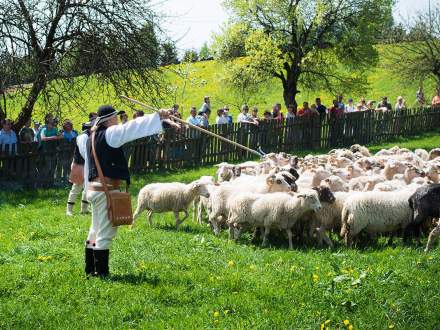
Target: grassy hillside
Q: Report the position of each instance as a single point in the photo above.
(191, 279)
(203, 78)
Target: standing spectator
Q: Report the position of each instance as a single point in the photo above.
(420, 97)
(320, 107)
(335, 111)
(400, 105)
(193, 118)
(340, 102)
(254, 115)
(359, 107)
(384, 104)
(68, 132)
(50, 132)
(123, 117)
(8, 138)
(436, 99)
(267, 116)
(363, 104)
(350, 106)
(370, 106)
(27, 134)
(290, 111)
(36, 130)
(276, 112)
(204, 118)
(313, 111)
(227, 114)
(221, 117)
(244, 116)
(304, 110)
(206, 104)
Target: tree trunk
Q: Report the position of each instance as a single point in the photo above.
(26, 112)
(3, 108)
(290, 89)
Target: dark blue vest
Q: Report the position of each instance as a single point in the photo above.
(112, 160)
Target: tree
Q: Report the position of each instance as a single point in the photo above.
(190, 55)
(230, 42)
(49, 50)
(204, 53)
(318, 44)
(169, 54)
(419, 57)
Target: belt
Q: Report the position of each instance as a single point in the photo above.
(98, 188)
(112, 184)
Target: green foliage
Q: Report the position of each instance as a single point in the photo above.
(230, 42)
(169, 54)
(191, 279)
(205, 53)
(314, 40)
(190, 55)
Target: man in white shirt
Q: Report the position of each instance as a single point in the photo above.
(109, 139)
(193, 119)
(350, 107)
(244, 116)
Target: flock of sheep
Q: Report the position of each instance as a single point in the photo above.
(347, 191)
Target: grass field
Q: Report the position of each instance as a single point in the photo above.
(191, 279)
(203, 78)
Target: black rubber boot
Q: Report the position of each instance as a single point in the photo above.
(90, 262)
(101, 262)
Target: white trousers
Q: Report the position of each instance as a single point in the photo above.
(75, 191)
(101, 231)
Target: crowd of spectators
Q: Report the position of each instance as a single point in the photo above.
(34, 132)
(338, 107)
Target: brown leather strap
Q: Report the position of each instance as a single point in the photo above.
(101, 177)
(100, 188)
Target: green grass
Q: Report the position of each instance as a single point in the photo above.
(191, 279)
(204, 79)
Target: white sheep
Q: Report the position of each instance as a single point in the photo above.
(271, 211)
(169, 197)
(335, 183)
(376, 212)
(422, 153)
(220, 198)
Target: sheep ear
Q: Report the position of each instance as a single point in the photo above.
(270, 180)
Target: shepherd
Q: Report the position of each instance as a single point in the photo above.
(108, 138)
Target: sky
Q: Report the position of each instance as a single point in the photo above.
(192, 22)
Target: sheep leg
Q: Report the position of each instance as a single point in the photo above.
(432, 235)
(149, 217)
(231, 232)
(186, 216)
(265, 235)
(176, 216)
(289, 235)
(322, 235)
(200, 213)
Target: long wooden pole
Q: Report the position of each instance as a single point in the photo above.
(146, 106)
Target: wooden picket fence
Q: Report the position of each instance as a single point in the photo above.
(49, 164)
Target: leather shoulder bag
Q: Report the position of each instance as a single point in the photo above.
(118, 202)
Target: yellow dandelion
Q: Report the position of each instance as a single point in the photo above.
(216, 314)
(321, 327)
(226, 311)
(350, 327)
(391, 326)
(327, 322)
(231, 263)
(346, 323)
(315, 278)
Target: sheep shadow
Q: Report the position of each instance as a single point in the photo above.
(139, 278)
(184, 228)
(277, 240)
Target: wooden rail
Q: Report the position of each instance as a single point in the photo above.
(49, 164)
